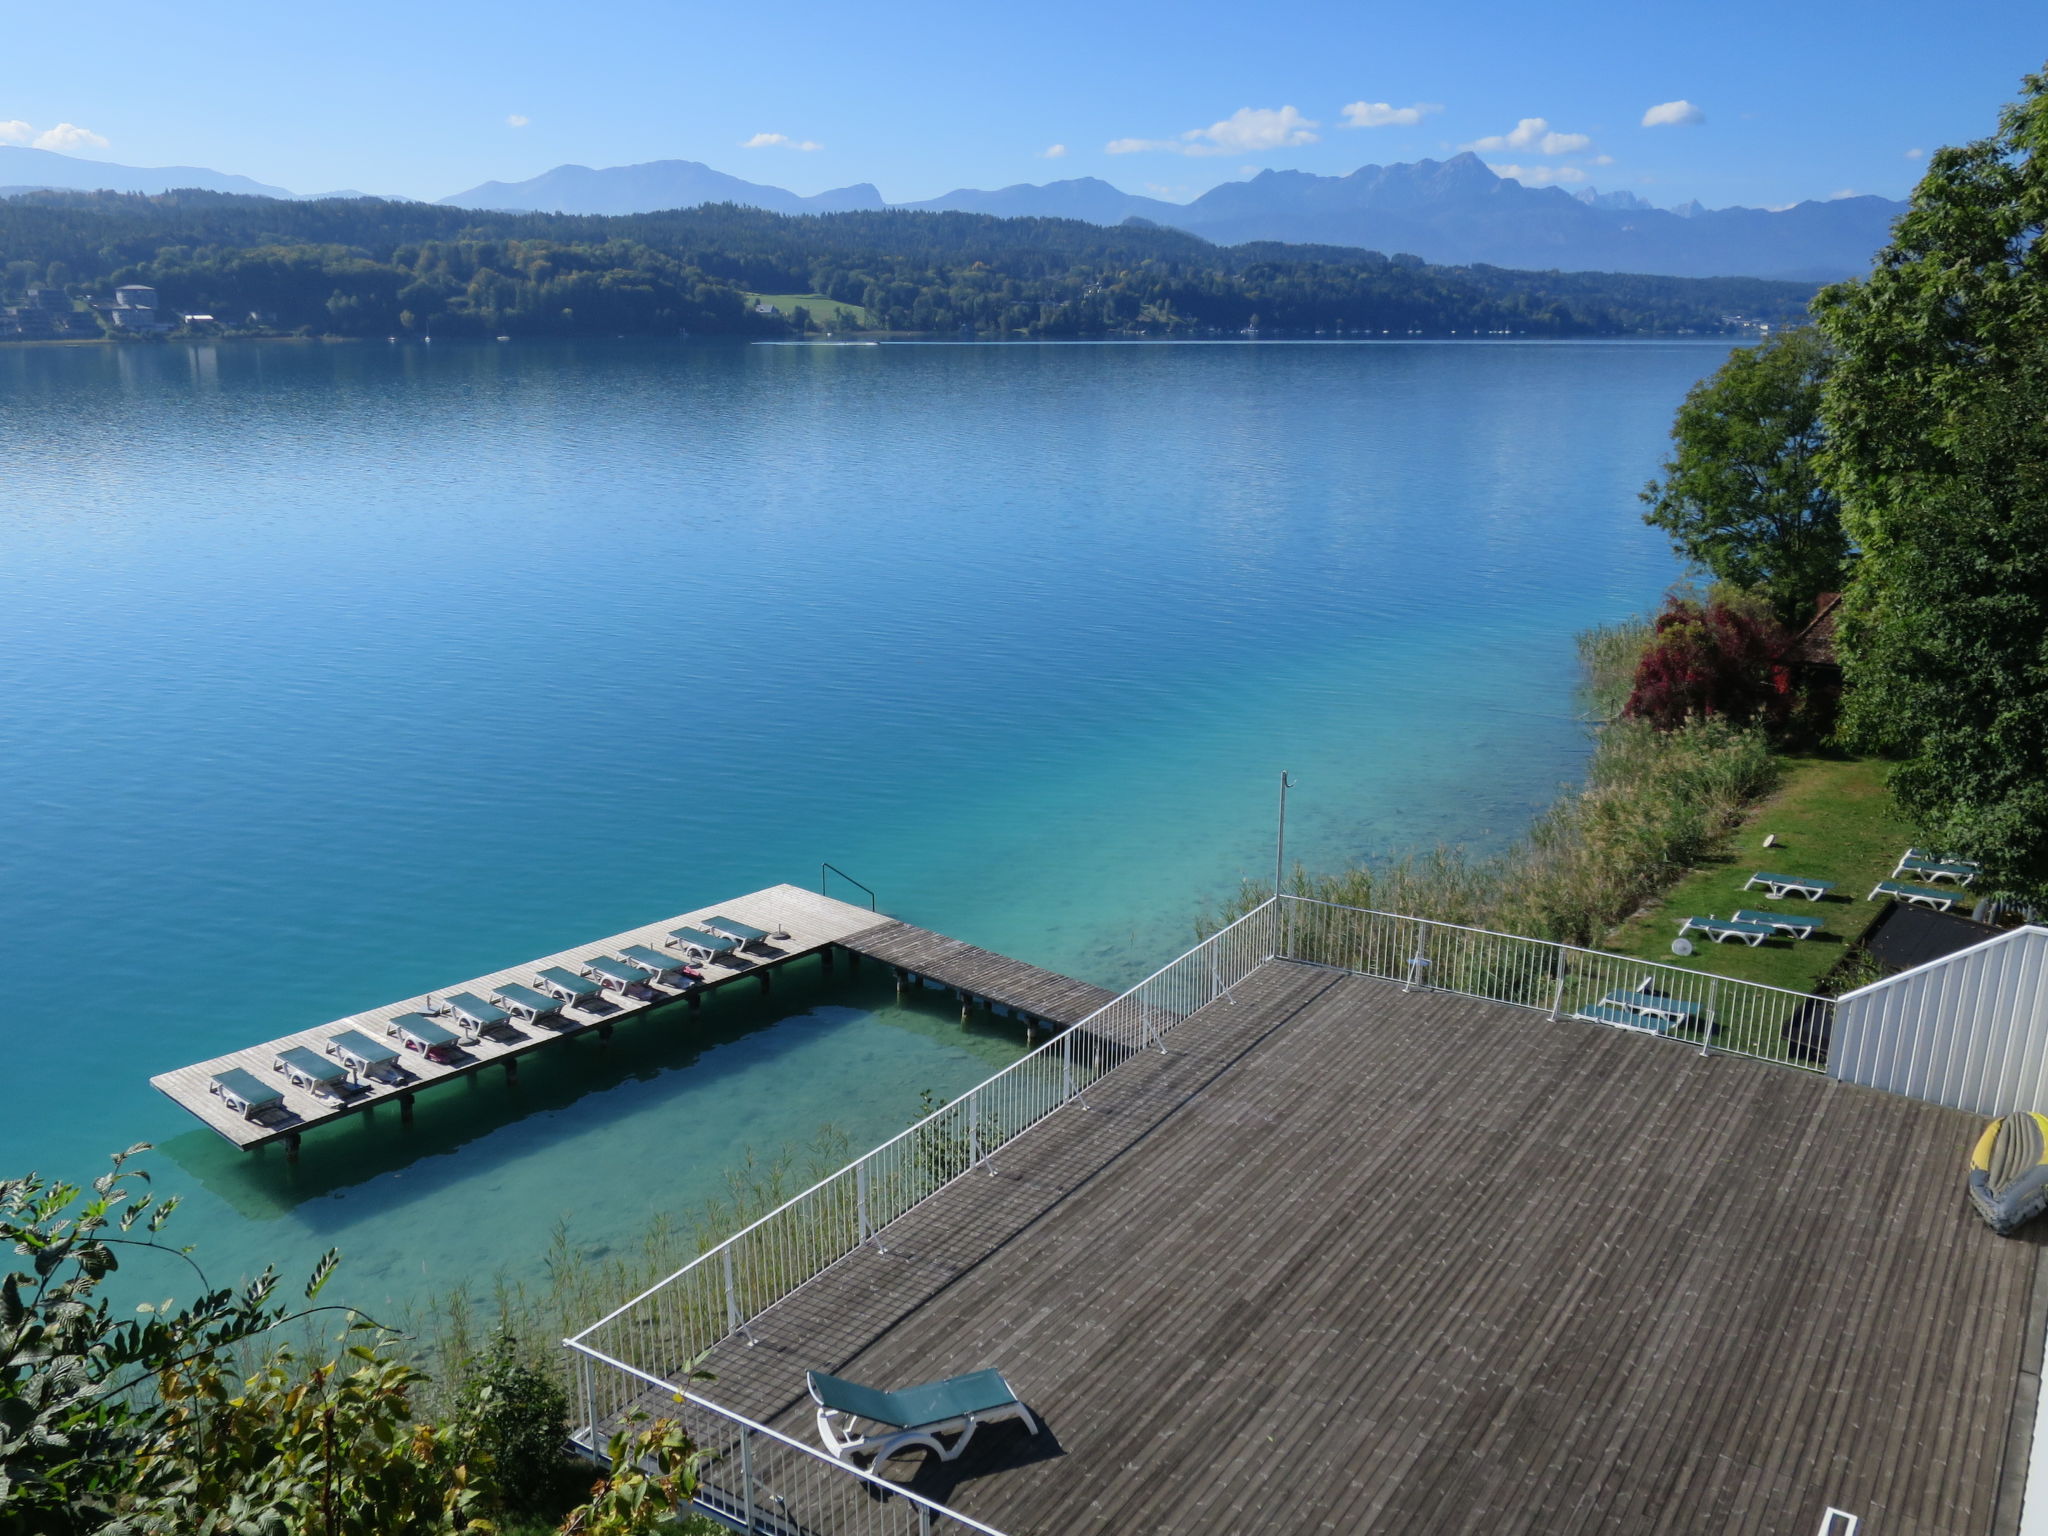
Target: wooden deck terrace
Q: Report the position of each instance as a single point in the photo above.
(979, 977)
(1353, 1259)
(803, 922)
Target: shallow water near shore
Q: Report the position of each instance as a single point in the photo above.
(334, 674)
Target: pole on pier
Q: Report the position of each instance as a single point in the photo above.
(1280, 839)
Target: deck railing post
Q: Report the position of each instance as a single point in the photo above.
(860, 1199)
(588, 1374)
(747, 1477)
(732, 1296)
(1557, 993)
(1707, 1020)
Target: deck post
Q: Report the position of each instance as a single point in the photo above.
(291, 1147)
(747, 1476)
(860, 1199)
(764, 977)
(589, 1403)
(902, 976)
(405, 1109)
(1707, 1021)
(966, 1005)
(511, 1069)
(696, 997)
(1557, 993)
(825, 956)
(853, 959)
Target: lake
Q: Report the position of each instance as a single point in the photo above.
(338, 673)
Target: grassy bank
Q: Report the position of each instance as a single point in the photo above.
(825, 313)
(1833, 819)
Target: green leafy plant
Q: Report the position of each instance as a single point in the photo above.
(513, 1416)
(653, 1479)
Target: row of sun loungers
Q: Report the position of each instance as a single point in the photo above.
(1645, 1008)
(352, 1059)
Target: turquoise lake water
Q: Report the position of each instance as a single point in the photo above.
(335, 674)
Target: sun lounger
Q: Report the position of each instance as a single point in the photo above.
(417, 1032)
(1922, 866)
(364, 1056)
(248, 1095)
(1798, 885)
(698, 945)
(307, 1069)
(655, 963)
(477, 1013)
(567, 985)
(1722, 929)
(613, 973)
(1627, 1018)
(917, 1418)
(747, 935)
(525, 1003)
(1916, 895)
(1785, 922)
(1675, 1009)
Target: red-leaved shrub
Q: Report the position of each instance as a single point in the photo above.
(1718, 660)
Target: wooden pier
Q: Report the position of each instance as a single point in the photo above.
(978, 977)
(798, 923)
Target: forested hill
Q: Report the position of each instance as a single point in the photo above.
(366, 267)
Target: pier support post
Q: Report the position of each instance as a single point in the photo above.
(902, 978)
(767, 980)
(291, 1147)
(825, 956)
(405, 1109)
(853, 959)
(696, 997)
(966, 1006)
(511, 1069)
(604, 1029)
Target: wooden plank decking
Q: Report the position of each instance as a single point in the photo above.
(981, 974)
(1349, 1259)
(810, 921)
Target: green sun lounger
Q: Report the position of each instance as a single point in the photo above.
(745, 933)
(916, 1418)
(526, 1003)
(417, 1032)
(1914, 895)
(652, 961)
(1722, 929)
(1674, 1009)
(566, 984)
(1923, 867)
(1626, 1018)
(1785, 922)
(608, 972)
(304, 1068)
(247, 1094)
(359, 1053)
(477, 1013)
(1797, 885)
(696, 944)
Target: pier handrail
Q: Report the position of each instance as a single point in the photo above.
(874, 901)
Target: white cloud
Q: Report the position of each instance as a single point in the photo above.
(1247, 131)
(517, 120)
(16, 132)
(1538, 175)
(1836, 197)
(69, 136)
(1053, 152)
(1911, 154)
(1673, 114)
(1384, 114)
(1533, 133)
(1601, 160)
(779, 141)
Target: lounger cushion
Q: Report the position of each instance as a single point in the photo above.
(423, 1029)
(1627, 1018)
(312, 1064)
(697, 938)
(933, 1403)
(248, 1087)
(476, 1010)
(361, 1047)
(614, 970)
(528, 998)
(742, 931)
(640, 954)
(568, 981)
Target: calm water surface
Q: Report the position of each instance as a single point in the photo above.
(334, 674)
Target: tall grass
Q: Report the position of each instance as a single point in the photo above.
(1652, 802)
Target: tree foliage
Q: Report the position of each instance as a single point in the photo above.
(365, 267)
(1717, 660)
(1939, 451)
(514, 1418)
(1742, 494)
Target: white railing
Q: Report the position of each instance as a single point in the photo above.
(669, 1326)
(759, 1480)
(1720, 1013)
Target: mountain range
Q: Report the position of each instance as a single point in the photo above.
(1454, 212)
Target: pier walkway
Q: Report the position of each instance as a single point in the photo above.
(979, 976)
(795, 923)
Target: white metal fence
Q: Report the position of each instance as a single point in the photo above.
(1743, 1018)
(666, 1328)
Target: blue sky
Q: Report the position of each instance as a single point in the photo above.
(1763, 104)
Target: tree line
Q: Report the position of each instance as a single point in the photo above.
(370, 267)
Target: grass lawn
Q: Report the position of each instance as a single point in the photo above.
(1834, 820)
(824, 311)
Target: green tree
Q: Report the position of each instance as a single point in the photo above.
(1742, 494)
(513, 1417)
(1938, 448)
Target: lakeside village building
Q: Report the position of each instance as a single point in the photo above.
(48, 314)
(1344, 1221)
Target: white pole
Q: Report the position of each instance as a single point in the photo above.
(1280, 842)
